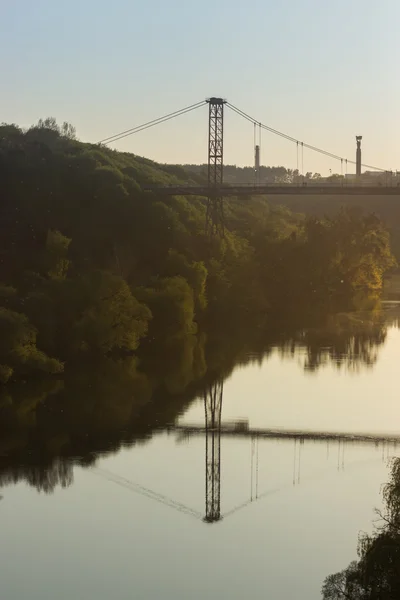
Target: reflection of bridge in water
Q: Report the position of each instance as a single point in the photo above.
(241, 429)
(214, 429)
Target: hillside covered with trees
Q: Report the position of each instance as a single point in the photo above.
(91, 265)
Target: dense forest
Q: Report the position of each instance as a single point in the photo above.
(91, 266)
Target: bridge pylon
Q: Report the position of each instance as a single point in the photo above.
(213, 409)
(215, 201)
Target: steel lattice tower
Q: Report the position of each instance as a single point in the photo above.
(215, 205)
(213, 408)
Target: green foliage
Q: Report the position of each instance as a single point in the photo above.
(332, 262)
(8, 296)
(10, 132)
(194, 272)
(18, 351)
(171, 302)
(50, 124)
(56, 252)
(5, 373)
(113, 318)
(243, 175)
(7, 291)
(88, 256)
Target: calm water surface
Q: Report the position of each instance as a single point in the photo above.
(131, 523)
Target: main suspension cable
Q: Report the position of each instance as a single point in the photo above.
(138, 128)
(294, 140)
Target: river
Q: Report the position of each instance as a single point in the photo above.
(110, 500)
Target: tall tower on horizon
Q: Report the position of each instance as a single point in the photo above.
(358, 155)
(257, 164)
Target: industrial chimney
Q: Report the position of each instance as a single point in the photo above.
(257, 164)
(358, 155)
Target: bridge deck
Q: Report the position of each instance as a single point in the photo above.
(263, 190)
(230, 430)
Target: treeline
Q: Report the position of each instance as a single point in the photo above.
(281, 175)
(242, 175)
(91, 265)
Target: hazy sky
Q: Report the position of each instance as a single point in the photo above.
(320, 71)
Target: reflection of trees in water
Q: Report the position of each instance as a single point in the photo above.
(393, 317)
(101, 406)
(43, 477)
(354, 342)
(346, 340)
(376, 575)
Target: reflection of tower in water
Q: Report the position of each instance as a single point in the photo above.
(212, 409)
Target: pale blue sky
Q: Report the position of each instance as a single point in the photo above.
(319, 71)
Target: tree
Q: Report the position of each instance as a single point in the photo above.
(343, 585)
(18, 351)
(49, 131)
(68, 131)
(194, 272)
(10, 132)
(171, 302)
(56, 262)
(112, 317)
(376, 576)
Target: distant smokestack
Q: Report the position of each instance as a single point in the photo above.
(358, 155)
(257, 163)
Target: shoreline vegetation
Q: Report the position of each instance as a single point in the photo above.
(93, 268)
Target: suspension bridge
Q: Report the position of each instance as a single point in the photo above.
(215, 189)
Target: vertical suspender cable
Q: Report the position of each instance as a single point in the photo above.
(292, 139)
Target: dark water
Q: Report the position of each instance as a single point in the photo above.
(104, 498)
